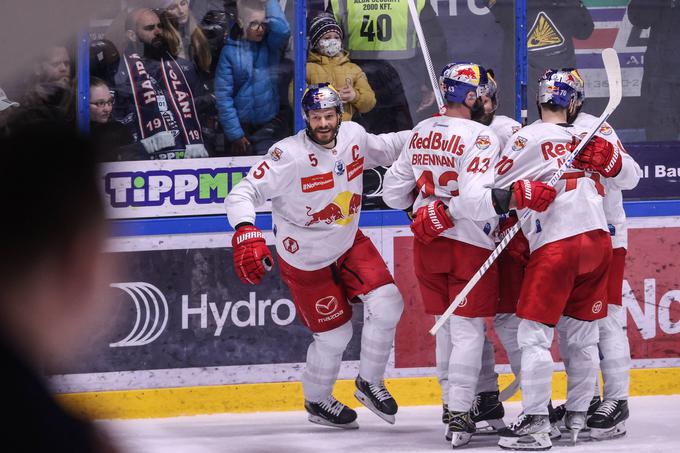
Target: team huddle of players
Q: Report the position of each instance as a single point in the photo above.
(465, 176)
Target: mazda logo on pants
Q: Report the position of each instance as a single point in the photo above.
(152, 313)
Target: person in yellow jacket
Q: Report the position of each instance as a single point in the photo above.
(328, 62)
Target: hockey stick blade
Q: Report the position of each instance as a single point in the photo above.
(611, 64)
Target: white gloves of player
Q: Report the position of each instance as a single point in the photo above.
(158, 141)
(195, 151)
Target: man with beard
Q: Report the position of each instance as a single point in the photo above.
(449, 161)
(155, 93)
(314, 182)
(51, 90)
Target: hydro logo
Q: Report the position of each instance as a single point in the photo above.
(152, 313)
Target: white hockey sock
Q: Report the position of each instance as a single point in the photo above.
(580, 342)
(466, 361)
(442, 352)
(615, 351)
(382, 311)
(324, 357)
(534, 340)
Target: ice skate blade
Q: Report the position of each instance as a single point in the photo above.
(611, 433)
(322, 421)
(530, 442)
(574, 436)
(489, 427)
(459, 439)
(363, 399)
(448, 434)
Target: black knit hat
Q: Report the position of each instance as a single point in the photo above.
(320, 25)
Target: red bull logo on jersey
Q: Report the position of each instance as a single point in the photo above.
(341, 210)
(551, 150)
(435, 141)
(483, 142)
(519, 143)
(606, 129)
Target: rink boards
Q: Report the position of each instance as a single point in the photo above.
(188, 338)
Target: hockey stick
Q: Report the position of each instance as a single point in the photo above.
(426, 54)
(611, 65)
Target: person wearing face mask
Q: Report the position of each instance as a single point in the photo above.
(327, 61)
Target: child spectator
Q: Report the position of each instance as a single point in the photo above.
(328, 62)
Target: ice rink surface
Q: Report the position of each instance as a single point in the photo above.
(654, 426)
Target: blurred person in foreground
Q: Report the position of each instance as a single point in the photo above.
(157, 96)
(53, 276)
(112, 140)
(51, 85)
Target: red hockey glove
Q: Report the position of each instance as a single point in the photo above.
(250, 249)
(431, 221)
(518, 247)
(534, 195)
(601, 156)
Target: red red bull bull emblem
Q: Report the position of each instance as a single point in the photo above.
(483, 142)
(468, 73)
(519, 143)
(341, 210)
(606, 129)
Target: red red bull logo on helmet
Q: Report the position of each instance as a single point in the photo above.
(341, 210)
(471, 73)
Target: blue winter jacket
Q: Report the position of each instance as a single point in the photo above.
(246, 77)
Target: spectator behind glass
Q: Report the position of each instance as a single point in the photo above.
(183, 34)
(112, 140)
(50, 89)
(104, 60)
(661, 67)
(328, 62)
(163, 116)
(54, 276)
(247, 77)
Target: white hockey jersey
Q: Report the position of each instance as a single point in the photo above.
(536, 152)
(504, 127)
(315, 192)
(627, 179)
(452, 160)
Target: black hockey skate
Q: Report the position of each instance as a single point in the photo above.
(446, 418)
(331, 412)
(609, 420)
(528, 433)
(487, 412)
(554, 417)
(461, 428)
(377, 398)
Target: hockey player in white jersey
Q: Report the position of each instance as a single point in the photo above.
(566, 276)
(449, 160)
(608, 419)
(314, 181)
